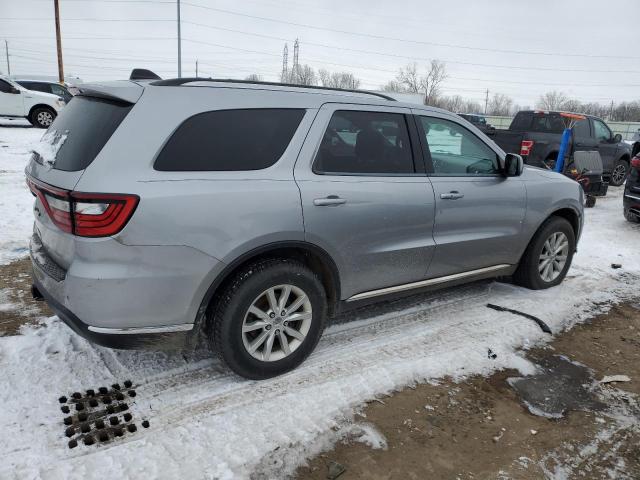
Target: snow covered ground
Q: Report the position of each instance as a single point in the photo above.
(16, 201)
(207, 423)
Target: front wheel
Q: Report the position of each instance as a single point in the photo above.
(619, 173)
(548, 257)
(269, 318)
(42, 117)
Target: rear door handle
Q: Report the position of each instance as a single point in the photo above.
(451, 195)
(330, 201)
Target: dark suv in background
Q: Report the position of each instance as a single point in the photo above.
(537, 134)
(631, 200)
(478, 121)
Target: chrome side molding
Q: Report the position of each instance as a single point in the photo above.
(426, 283)
(185, 327)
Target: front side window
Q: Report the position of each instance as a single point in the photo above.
(58, 90)
(601, 130)
(374, 143)
(5, 87)
(230, 140)
(455, 151)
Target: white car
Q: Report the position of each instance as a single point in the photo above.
(39, 108)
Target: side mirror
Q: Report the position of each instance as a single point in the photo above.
(14, 90)
(513, 165)
(617, 138)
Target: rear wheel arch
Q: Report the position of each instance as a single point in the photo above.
(312, 256)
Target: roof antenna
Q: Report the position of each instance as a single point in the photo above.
(143, 74)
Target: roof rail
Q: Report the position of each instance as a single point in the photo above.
(181, 81)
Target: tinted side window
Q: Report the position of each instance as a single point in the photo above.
(521, 122)
(581, 129)
(455, 151)
(4, 87)
(365, 143)
(230, 140)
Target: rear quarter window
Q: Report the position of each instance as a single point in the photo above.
(87, 123)
(230, 140)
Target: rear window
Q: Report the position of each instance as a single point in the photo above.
(521, 122)
(547, 123)
(230, 140)
(87, 123)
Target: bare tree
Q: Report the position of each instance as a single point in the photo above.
(338, 80)
(553, 100)
(408, 80)
(432, 81)
(302, 75)
(254, 77)
(500, 105)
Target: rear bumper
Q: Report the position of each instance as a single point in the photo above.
(128, 340)
(125, 296)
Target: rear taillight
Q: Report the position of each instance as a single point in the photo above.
(85, 214)
(525, 147)
(635, 161)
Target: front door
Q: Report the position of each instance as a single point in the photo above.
(365, 197)
(479, 212)
(605, 145)
(10, 100)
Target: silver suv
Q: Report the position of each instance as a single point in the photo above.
(253, 211)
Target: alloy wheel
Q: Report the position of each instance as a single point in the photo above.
(276, 323)
(553, 257)
(44, 118)
(618, 174)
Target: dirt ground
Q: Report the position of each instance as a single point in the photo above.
(480, 429)
(17, 307)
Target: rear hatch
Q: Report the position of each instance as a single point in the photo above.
(59, 160)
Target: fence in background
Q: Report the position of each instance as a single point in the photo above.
(626, 129)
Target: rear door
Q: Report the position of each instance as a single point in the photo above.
(365, 196)
(479, 212)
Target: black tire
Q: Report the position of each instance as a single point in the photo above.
(631, 217)
(42, 117)
(527, 274)
(590, 202)
(230, 307)
(618, 179)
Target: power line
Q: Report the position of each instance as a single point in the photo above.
(409, 57)
(405, 40)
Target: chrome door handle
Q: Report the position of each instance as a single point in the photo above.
(451, 195)
(330, 201)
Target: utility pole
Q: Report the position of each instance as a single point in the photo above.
(6, 48)
(285, 64)
(58, 42)
(196, 67)
(296, 67)
(611, 111)
(179, 44)
(486, 101)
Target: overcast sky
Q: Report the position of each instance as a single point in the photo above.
(588, 49)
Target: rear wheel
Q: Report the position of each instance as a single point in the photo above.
(548, 257)
(619, 173)
(269, 318)
(42, 117)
